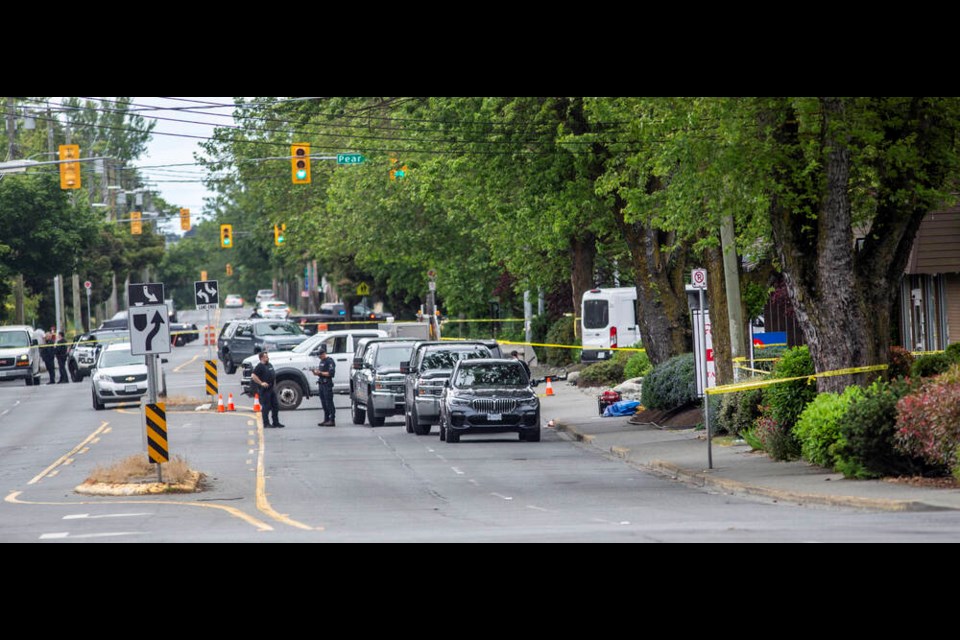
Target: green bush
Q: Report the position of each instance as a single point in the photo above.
(777, 441)
(602, 374)
(868, 448)
(751, 439)
(671, 385)
(769, 357)
(953, 352)
(638, 365)
(561, 332)
(738, 411)
(787, 400)
(818, 428)
(930, 365)
(901, 362)
(726, 412)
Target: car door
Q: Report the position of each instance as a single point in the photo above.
(343, 357)
(241, 345)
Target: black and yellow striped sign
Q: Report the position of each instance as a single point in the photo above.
(157, 449)
(210, 377)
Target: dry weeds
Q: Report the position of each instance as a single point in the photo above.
(178, 400)
(136, 468)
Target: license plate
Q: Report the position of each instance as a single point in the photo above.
(130, 388)
(601, 355)
(494, 417)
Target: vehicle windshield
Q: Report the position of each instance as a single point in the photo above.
(447, 358)
(596, 314)
(393, 356)
(119, 358)
(277, 329)
(110, 337)
(499, 374)
(9, 339)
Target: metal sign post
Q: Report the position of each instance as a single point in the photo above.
(698, 278)
(149, 336)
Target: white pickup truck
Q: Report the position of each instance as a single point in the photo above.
(295, 380)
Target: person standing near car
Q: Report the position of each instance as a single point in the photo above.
(48, 356)
(264, 377)
(61, 352)
(526, 367)
(325, 373)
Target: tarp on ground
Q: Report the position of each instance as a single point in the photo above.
(622, 408)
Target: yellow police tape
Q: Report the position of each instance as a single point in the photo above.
(756, 384)
(553, 346)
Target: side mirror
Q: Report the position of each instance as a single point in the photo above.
(534, 382)
(405, 367)
(358, 363)
(164, 361)
(33, 342)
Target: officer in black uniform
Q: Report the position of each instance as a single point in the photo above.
(61, 353)
(264, 377)
(326, 372)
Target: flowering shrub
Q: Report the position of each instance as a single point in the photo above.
(901, 361)
(928, 423)
(777, 441)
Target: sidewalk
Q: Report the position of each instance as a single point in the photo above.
(682, 455)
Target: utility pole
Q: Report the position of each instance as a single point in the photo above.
(731, 281)
(12, 155)
(77, 311)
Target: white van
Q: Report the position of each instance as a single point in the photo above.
(608, 318)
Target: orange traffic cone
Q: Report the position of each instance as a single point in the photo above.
(256, 402)
(549, 387)
(230, 406)
(220, 403)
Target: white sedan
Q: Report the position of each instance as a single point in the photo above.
(273, 309)
(119, 376)
(233, 301)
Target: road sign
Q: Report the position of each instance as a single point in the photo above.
(87, 285)
(210, 377)
(350, 158)
(149, 330)
(432, 274)
(698, 278)
(432, 285)
(158, 451)
(207, 294)
(363, 289)
(144, 293)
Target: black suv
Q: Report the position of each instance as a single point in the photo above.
(489, 396)
(425, 374)
(248, 337)
(376, 383)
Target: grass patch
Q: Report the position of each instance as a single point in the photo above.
(137, 468)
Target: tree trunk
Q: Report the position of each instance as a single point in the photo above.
(663, 315)
(583, 254)
(844, 300)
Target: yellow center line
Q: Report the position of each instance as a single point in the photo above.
(65, 457)
(13, 498)
(190, 361)
(263, 504)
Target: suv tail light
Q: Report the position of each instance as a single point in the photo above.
(613, 337)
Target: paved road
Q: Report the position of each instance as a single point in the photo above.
(359, 484)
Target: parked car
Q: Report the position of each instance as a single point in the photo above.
(253, 336)
(489, 396)
(223, 339)
(19, 354)
(233, 301)
(182, 333)
(82, 354)
(118, 376)
(273, 309)
(425, 374)
(263, 294)
(376, 383)
(293, 368)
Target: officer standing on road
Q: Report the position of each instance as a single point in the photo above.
(264, 376)
(48, 356)
(526, 367)
(61, 350)
(326, 372)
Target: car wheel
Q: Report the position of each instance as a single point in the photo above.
(530, 436)
(452, 436)
(407, 424)
(289, 395)
(443, 429)
(373, 419)
(28, 381)
(96, 403)
(415, 422)
(356, 413)
(181, 340)
(228, 366)
(74, 373)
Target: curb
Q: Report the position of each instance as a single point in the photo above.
(673, 471)
(191, 485)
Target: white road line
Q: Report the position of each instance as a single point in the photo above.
(77, 516)
(535, 507)
(501, 496)
(111, 534)
(457, 471)
(472, 481)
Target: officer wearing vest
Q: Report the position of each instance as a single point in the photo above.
(325, 373)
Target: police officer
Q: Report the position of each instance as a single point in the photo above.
(264, 377)
(61, 352)
(48, 355)
(325, 373)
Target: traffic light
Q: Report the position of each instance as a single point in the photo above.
(300, 162)
(185, 219)
(136, 227)
(279, 233)
(229, 269)
(69, 171)
(226, 236)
